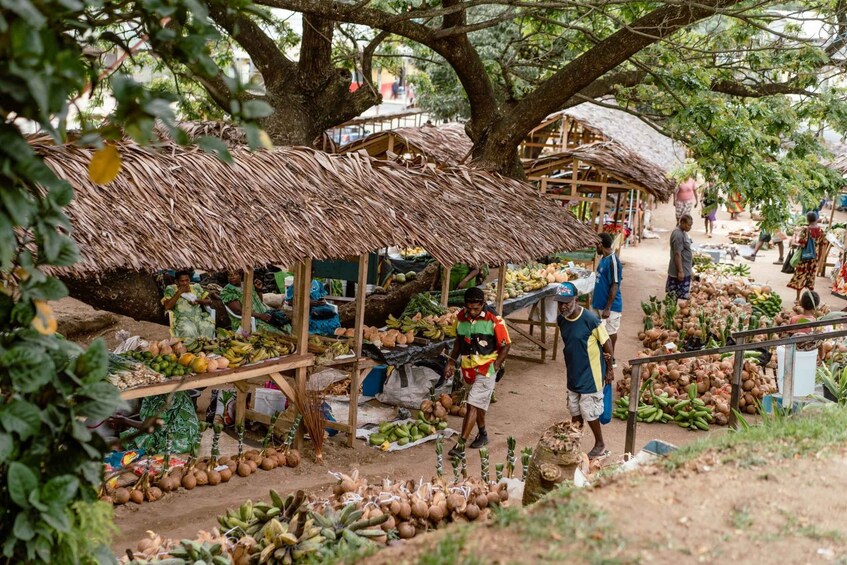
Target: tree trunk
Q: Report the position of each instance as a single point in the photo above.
(493, 151)
(379, 306)
(124, 292)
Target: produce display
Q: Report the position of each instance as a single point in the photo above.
(424, 305)
(401, 278)
(328, 349)
(431, 327)
(405, 432)
(743, 236)
(412, 253)
(522, 281)
(691, 412)
(213, 470)
(126, 373)
(239, 350)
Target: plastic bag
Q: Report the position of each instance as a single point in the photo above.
(606, 416)
(408, 386)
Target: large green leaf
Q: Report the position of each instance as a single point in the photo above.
(29, 367)
(6, 446)
(21, 480)
(20, 417)
(23, 527)
(93, 365)
(60, 490)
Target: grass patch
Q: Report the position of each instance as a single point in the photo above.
(740, 518)
(448, 551)
(563, 526)
(777, 437)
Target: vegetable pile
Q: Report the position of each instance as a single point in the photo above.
(125, 373)
(239, 350)
(153, 484)
(691, 412)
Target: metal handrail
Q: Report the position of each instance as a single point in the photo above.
(739, 349)
(793, 327)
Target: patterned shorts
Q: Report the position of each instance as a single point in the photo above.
(682, 289)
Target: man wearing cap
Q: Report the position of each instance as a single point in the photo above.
(483, 342)
(607, 303)
(588, 361)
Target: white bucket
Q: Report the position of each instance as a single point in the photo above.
(805, 366)
(268, 400)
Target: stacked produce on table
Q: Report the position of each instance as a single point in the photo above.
(306, 529)
(522, 281)
(159, 476)
(127, 373)
(239, 350)
(690, 412)
(430, 327)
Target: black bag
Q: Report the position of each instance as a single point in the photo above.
(500, 373)
(787, 268)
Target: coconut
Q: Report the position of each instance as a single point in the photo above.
(136, 496)
(254, 465)
(455, 501)
(154, 493)
(420, 509)
(120, 496)
(252, 454)
(481, 501)
(226, 475)
(268, 464)
(446, 400)
(201, 466)
(189, 482)
(406, 530)
(202, 478)
(405, 511)
(472, 511)
(440, 412)
(435, 514)
(244, 469)
(493, 499)
(394, 507)
(292, 458)
(389, 524)
(164, 483)
(214, 477)
(347, 485)
(503, 491)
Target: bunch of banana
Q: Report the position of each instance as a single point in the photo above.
(348, 525)
(290, 542)
(691, 413)
(195, 552)
(251, 518)
(766, 304)
(200, 344)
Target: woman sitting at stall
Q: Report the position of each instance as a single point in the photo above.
(267, 319)
(323, 317)
(464, 276)
(186, 301)
(179, 420)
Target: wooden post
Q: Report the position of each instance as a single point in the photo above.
(543, 307)
(632, 419)
(501, 289)
(445, 283)
(736, 384)
(788, 378)
(356, 374)
(302, 288)
(247, 301)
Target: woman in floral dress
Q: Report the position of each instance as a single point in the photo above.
(807, 269)
(186, 300)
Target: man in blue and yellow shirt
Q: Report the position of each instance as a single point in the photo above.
(588, 356)
(483, 342)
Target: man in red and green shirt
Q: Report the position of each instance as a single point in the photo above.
(483, 342)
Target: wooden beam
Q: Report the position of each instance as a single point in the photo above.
(222, 377)
(445, 283)
(501, 288)
(302, 285)
(524, 333)
(247, 301)
(361, 294)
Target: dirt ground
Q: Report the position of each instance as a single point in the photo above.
(530, 398)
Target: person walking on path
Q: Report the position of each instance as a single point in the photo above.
(764, 237)
(685, 197)
(482, 341)
(709, 210)
(808, 242)
(588, 362)
(607, 303)
(681, 261)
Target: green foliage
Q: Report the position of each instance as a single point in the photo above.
(50, 463)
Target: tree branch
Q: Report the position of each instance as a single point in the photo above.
(263, 51)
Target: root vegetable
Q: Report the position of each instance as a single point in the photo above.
(472, 511)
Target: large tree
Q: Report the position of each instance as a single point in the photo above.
(736, 79)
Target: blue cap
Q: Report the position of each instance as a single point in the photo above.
(565, 292)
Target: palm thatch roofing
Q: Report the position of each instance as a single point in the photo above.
(628, 130)
(623, 164)
(445, 145)
(177, 206)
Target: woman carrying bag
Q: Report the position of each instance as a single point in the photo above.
(806, 247)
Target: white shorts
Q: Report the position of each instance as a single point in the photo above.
(612, 323)
(589, 406)
(481, 390)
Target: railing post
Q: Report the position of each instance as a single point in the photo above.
(736, 384)
(632, 419)
(788, 378)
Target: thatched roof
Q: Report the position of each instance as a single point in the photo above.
(617, 160)
(182, 207)
(444, 145)
(629, 131)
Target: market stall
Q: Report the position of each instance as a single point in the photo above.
(603, 183)
(444, 145)
(289, 206)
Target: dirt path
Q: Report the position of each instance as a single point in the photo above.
(530, 398)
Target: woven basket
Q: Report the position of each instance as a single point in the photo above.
(554, 460)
